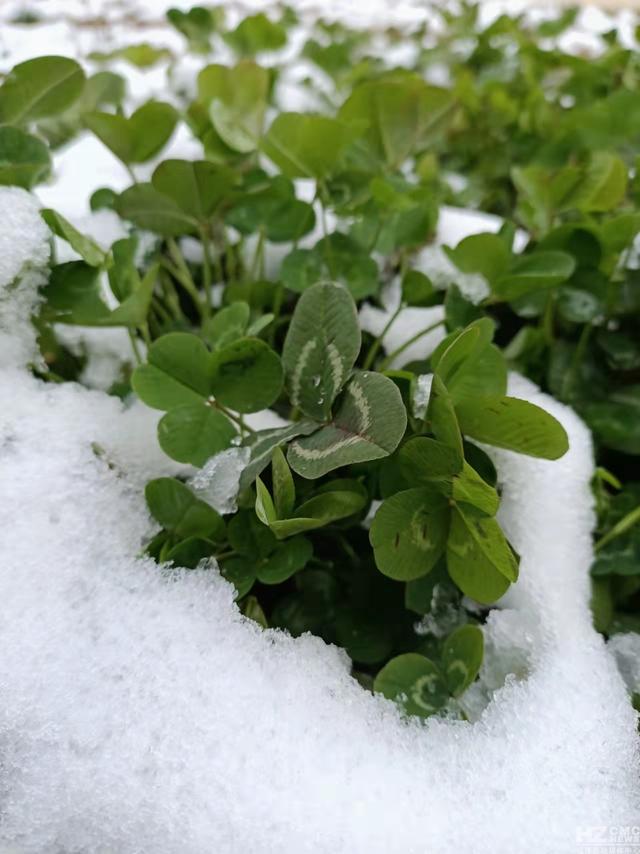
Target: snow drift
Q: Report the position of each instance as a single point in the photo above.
(142, 713)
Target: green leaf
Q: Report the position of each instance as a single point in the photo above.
(246, 375)
(470, 488)
(150, 209)
(138, 138)
(288, 558)
(469, 365)
(508, 422)
(24, 159)
(284, 490)
(270, 206)
(442, 417)
(134, 309)
(534, 272)
(241, 572)
(85, 246)
(616, 420)
(321, 346)
(177, 372)
(369, 424)
(124, 278)
(197, 187)
(104, 198)
(252, 609)
(320, 511)
(237, 100)
(462, 655)
(263, 443)
(602, 186)
(38, 88)
(414, 682)
(227, 325)
(189, 553)
(479, 558)
(418, 290)
(250, 537)
(422, 460)
(196, 24)
(305, 145)
(409, 533)
(265, 508)
(337, 258)
(255, 34)
(193, 433)
(402, 114)
(74, 293)
(142, 55)
(176, 508)
(487, 254)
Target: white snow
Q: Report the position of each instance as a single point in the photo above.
(626, 649)
(107, 351)
(218, 481)
(24, 256)
(142, 713)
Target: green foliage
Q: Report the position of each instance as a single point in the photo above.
(39, 88)
(423, 687)
(236, 100)
(24, 159)
(138, 138)
(225, 324)
(256, 34)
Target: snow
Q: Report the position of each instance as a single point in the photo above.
(626, 649)
(218, 481)
(142, 713)
(24, 256)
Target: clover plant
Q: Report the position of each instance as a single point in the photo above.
(375, 499)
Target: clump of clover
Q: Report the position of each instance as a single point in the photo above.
(368, 519)
(296, 549)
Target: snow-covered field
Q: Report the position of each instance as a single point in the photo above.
(142, 713)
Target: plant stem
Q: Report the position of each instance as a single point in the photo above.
(621, 527)
(373, 350)
(223, 555)
(237, 419)
(276, 308)
(257, 265)
(391, 356)
(131, 173)
(325, 233)
(144, 329)
(134, 347)
(206, 269)
(546, 320)
(179, 270)
(578, 355)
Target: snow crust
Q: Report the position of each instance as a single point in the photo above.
(142, 713)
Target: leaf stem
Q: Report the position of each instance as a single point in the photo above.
(206, 269)
(578, 355)
(373, 350)
(179, 270)
(134, 346)
(632, 518)
(257, 265)
(391, 356)
(237, 419)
